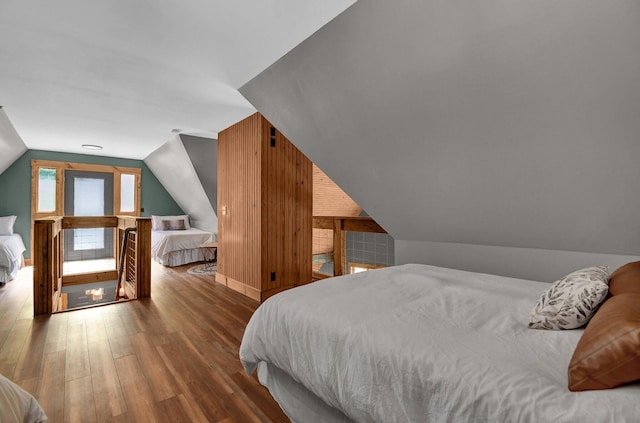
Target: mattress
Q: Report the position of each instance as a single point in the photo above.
(11, 259)
(418, 343)
(175, 248)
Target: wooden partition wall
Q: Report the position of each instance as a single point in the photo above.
(48, 256)
(264, 210)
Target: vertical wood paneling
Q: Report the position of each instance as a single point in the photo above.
(267, 215)
(287, 187)
(306, 192)
(264, 209)
(239, 202)
(41, 299)
(143, 257)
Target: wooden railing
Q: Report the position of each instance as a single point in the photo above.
(48, 258)
(340, 224)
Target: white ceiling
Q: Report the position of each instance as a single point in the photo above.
(123, 74)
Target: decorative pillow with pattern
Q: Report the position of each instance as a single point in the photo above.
(173, 225)
(571, 301)
(178, 225)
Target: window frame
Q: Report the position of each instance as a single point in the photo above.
(60, 167)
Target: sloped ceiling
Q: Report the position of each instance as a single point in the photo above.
(203, 153)
(172, 166)
(11, 145)
(502, 123)
(123, 74)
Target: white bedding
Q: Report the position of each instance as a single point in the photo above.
(418, 343)
(11, 249)
(168, 247)
(17, 405)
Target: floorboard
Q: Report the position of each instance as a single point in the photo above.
(171, 357)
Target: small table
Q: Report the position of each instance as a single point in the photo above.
(210, 253)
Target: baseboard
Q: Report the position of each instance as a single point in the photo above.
(238, 286)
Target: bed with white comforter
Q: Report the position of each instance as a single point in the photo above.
(11, 256)
(417, 343)
(175, 248)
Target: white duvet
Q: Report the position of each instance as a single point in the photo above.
(11, 249)
(17, 405)
(418, 343)
(165, 242)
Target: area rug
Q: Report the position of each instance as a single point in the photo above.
(203, 269)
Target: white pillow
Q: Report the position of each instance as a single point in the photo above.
(571, 301)
(156, 221)
(6, 225)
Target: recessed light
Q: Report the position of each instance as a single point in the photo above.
(91, 147)
(176, 130)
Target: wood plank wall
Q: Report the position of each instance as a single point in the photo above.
(329, 200)
(264, 210)
(239, 203)
(287, 210)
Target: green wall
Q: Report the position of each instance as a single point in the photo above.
(15, 187)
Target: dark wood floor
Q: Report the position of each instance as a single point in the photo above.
(172, 357)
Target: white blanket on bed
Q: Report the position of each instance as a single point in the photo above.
(419, 343)
(11, 249)
(165, 242)
(17, 405)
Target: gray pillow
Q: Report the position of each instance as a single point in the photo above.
(571, 301)
(173, 225)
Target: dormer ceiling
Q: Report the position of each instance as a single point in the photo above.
(11, 145)
(124, 74)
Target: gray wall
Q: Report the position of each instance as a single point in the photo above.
(524, 263)
(203, 153)
(510, 123)
(173, 167)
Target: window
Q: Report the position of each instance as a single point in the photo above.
(48, 187)
(127, 193)
(88, 197)
(88, 200)
(48, 195)
(46, 190)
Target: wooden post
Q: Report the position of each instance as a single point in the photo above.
(47, 264)
(338, 242)
(42, 284)
(143, 257)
